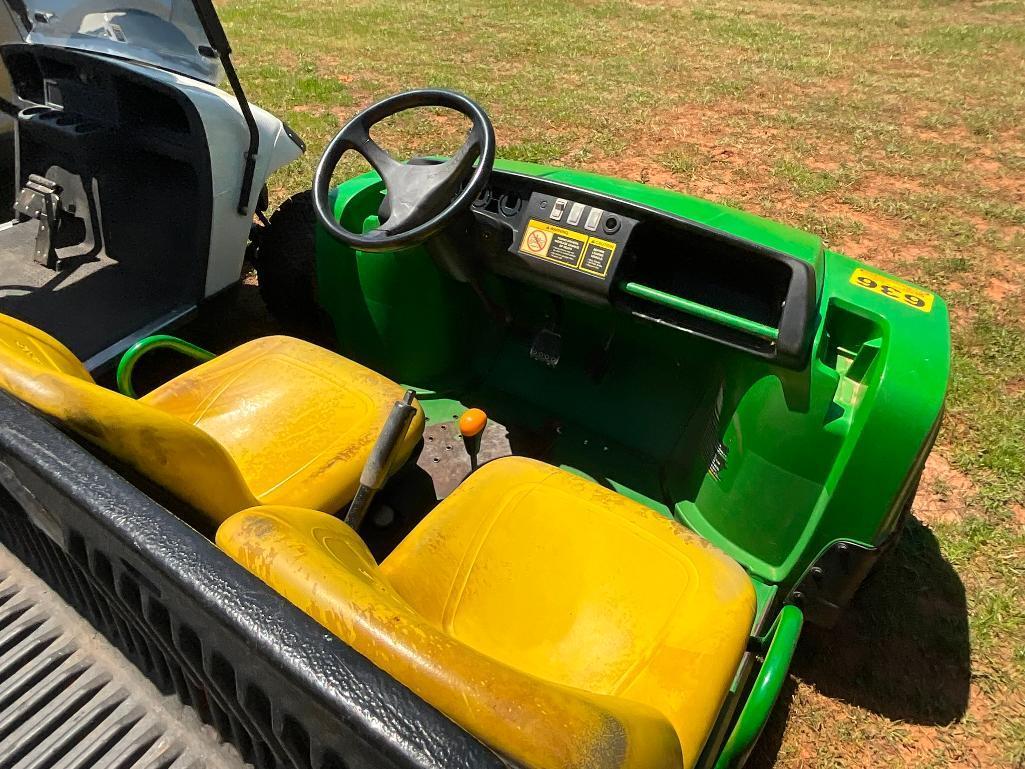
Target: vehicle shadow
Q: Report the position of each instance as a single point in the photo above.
(901, 649)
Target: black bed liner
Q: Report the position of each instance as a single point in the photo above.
(69, 699)
(274, 683)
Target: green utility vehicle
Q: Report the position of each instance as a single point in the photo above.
(727, 371)
(585, 457)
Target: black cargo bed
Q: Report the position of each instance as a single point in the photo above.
(69, 699)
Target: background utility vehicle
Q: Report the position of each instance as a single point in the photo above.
(138, 176)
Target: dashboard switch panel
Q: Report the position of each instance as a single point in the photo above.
(558, 245)
(651, 264)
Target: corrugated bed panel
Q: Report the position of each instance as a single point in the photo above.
(70, 700)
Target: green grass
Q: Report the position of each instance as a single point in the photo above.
(807, 182)
(895, 132)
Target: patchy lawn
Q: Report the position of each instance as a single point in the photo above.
(896, 133)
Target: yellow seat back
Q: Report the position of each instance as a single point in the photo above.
(19, 340)
(563, 624)
(558, 576)
(183, 459)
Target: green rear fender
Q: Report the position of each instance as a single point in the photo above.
(777, 648)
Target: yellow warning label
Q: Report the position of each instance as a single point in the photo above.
(894, 289)
(567, 248)
(597, 256)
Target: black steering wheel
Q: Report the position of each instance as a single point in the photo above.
(421, 197)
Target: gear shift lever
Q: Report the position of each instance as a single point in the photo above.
(471, 426)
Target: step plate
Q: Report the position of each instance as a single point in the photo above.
(70, 700)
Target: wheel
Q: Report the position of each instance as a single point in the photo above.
(286, 265)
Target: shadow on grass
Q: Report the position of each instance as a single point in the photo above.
(901, 649)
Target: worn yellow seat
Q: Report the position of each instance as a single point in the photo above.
(274, 421)
(563, 624)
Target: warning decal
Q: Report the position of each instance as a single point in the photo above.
(598, 256)
(567, 248)
(537, 242)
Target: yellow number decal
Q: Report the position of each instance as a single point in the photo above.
(894, 289)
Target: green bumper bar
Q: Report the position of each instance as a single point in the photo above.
(782, 641)
(143, 346)
(699, 310)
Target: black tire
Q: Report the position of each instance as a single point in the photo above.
(286, 266)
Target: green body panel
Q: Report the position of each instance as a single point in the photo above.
(811, 456)
(778, 647)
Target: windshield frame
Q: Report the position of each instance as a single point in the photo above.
(167, 34)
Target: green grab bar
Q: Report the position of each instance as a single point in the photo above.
(693, 308)
(784, 634)
(143, 346)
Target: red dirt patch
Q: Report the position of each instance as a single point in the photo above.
(944, 494)
(640, 169)
(998, 290)
(737, 164)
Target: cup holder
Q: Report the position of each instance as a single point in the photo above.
(510, 204)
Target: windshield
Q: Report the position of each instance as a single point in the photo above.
(164, 33)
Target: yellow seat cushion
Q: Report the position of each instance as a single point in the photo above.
(563, 624)
(276, 420)
(298, 420)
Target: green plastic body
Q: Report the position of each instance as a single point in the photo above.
(772, 464)
(813, 456)
(779, 646)
(160, 341)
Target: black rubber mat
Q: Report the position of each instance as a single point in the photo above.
(92, 303)
(70, 700)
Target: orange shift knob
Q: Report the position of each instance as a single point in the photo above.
(472, 423)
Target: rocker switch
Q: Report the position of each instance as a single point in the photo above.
(575, 212)
(592, 219)
(558, 209)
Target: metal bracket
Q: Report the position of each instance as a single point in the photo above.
(40, 199)
(218, 39)
(830, 583)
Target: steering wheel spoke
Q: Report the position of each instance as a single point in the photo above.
(465, 156)
(380, 160)
(422, 198)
